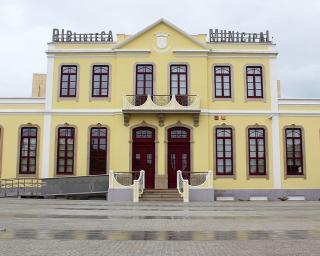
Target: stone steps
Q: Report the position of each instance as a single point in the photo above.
(165, 195)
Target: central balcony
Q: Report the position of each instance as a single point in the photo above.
(161, 104)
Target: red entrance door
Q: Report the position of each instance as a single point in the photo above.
(143, 154)
(178, 154)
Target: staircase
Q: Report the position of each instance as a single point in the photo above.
(161, 195)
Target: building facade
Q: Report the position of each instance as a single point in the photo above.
(163, 100)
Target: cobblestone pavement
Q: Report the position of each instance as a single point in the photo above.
(68, 227)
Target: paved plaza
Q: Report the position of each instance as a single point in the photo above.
(96, 227)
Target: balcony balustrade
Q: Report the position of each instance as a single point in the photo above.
(161, 104)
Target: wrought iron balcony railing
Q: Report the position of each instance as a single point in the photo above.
(161, 103)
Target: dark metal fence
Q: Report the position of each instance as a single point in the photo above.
(62, 186)
(95, 184)
(20, 187)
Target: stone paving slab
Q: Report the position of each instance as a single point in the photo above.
(67, 227)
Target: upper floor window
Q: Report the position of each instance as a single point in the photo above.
(144, 79)
(294, 153)
(100, 81)
(68, 81)
(179, 83)
(254, 82)
(178, 80)
(28, 150)
(224, 151)
(257, 151)
(222, 80)
(65, 150)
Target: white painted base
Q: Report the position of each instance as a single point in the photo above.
(296, 198)
(258, 198)
(225, 198)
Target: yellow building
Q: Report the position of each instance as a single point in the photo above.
(163, 100)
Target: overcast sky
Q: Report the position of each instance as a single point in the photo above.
(26, 26)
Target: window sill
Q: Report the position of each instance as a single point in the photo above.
(224, 176)
(301, 176)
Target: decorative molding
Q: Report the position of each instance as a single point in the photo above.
(126, 119)
(297, 101)
(239, 51)
(161, 120)
(195, 118)
(23, 100)
(115, 111)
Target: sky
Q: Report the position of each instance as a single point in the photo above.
(26, 28)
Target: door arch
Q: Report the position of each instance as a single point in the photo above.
(143, 153)
(178, 154)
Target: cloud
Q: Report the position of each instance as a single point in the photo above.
(26, 28)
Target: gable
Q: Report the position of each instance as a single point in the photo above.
(149, 38)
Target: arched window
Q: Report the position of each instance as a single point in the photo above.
(224, 151)
(257, 151)
(98, 151)
(222, 80)
(28, 150)
(254, 82)
(294, 152)
(68, 81)
(65, 150)
(100, 81)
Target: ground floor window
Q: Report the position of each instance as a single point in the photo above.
(224, 151)
(65, 150)
(294, 153)
(98, 151)
(28, 150)
(257, 151)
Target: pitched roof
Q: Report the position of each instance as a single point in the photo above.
(169, 24)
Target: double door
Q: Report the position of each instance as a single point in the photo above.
(143, 158)
(178, 159)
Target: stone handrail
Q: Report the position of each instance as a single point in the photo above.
(138, 186)
(183, 187)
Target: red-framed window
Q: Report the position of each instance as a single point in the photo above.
(224, 151)
(254, 82)
(178, 80)
(98, 150)
(257, 151)
(28, 150)
(144, 79)
(294, 152)
(100, 81)
(68, 81)
(65, 150)
(222, 80)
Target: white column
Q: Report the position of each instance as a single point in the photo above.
(276, 152)
(275, 126)
(47, 120)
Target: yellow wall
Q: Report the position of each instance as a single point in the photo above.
(311, 129)
(10, 141)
